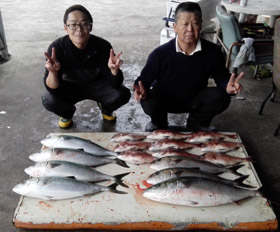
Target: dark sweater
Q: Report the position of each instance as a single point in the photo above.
(80, 67)
(178, 76)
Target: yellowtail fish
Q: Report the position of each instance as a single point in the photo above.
(196, 192)
(171, 173)
(67, 169)
(74, 156)
(60, 188)
(187, 162)
(77, 143)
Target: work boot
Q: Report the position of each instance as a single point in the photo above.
(109, 116)
(65, 123)
(150, 127)
(193, 126)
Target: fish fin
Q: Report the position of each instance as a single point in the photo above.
(233, 169)
(239, 182)
(118, 179)
(121, 163)
(71, 177)
(113, 188)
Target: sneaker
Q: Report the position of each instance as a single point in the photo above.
(106, 115)
(65, 123)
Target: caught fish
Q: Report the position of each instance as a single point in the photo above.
(59, 188)
(196, 192)
(171, 173)
(166, 134)
(187, 162)
(122, 137)
(67, 169)
(202, 136)
(220, 146)
(73, 142)
(131, 145)
(136, 157)
(74, 156)
(173, 152)
(224, 159)
(175, 144)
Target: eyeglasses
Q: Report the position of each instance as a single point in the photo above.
(75, 26)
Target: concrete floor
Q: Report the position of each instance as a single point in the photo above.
(132, 27)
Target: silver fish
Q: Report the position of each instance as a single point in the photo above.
(187, 162)
(202, 136)
(67, 169)
(123, 136)
(59, 188)
(166, 134)
(74, 156)
(73, 142)
(174, 144)
(171, 173)
(220, 146)
(196, 192)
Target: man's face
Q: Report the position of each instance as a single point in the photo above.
(187, 28)
(80, 35)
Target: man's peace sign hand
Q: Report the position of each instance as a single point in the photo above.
(114, 62)
(233, 86)
(52, 64)
(140, 92)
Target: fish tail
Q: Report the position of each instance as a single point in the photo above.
(118, 179)
(121, 163)
(234, 169)
(232, 136)
(113, 188)
(239, 182)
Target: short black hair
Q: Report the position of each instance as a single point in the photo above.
(191, 7)
(79, 8)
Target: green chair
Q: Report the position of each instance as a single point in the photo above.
(230, 36)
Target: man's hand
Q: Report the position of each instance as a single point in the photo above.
(52, 64)
(114, 62)
(233, 86)
(140, 92)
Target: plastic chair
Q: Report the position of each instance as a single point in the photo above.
(230, 37)
(276, 71)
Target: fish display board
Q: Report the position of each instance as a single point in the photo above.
(112, 211)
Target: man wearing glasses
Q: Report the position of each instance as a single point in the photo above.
(82, 66)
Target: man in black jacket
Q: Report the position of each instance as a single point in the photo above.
(82, 66)
(175, 77)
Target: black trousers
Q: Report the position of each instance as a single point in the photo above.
(62, 102)
(202, 108)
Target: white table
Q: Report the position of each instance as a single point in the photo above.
(255, 7)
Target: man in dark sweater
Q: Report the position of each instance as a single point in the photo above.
(175, 77)
(82, 66)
